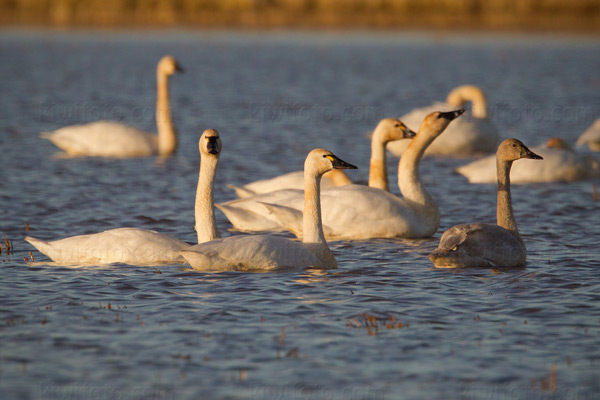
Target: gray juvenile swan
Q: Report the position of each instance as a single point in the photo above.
(489, 245)
(116, 140)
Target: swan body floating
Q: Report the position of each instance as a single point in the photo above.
(355, 211)
(137, 246)
(268, 252)
(387, 130)
(489, 245)
(116, 140)
(472, 134)
(560, 164)
(591, 137)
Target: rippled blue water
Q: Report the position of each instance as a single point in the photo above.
(120, 332)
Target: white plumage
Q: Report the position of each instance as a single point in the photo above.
(472, 134)
(387, 130)
(355, 211)
(137, 246)
(560, 164)
(117, 140)
(591, 137)
(269, 252)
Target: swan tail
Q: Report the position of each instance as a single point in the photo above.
(46, 135)
(247, 221)
(289, 218)
(41, 245)
(196, 260)
(241, 192)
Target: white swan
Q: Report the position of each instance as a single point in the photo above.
(472, 134)
(117, 140)
(267, 252)
(355, 211)
(489, 245)
(561, 164)
(387, 130)
(136, 246)
(591, 137)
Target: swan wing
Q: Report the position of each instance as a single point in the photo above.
(123, 245)
(250, 253)
(288, 218)
(250, 215)
(591, 136)
(362, 212)
(103, 139)
(478, 245)
(241, 192)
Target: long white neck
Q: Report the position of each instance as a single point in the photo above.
(505, 216)
(312, 226)
(378, 174)
(206, 227)
(409, 180)
(167, 136)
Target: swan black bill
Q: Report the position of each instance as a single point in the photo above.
(409, 134)
(450, 115)
(338, 163)
(213, 144)
(532, 155)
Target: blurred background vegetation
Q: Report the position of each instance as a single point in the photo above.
(569, 15)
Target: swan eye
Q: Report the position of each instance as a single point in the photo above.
(397, 126)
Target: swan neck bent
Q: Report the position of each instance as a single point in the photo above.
(505, 216)
(378, 176)
(462, 94)
(167, 136)
(206, 227)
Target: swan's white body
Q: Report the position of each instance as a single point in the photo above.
(560, 164)
(122, 245)
(488, 245)
(137, 246)
(472, 134)
(591, 137)
(387, 130)
(291, 180)
(104, 139)
(354, 211)
(116, 140)
(268, 252)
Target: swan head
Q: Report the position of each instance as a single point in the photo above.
(513, 149)
(435, 123)
(321, 161)
(210, 143)
(389, 129)
(558, 143)
(168, 66)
